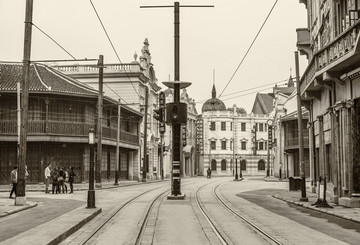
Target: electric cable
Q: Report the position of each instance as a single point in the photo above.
(112, 45)
(252, 43)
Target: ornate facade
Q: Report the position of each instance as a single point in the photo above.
(230, 136)
(130, 82)
(330, 89)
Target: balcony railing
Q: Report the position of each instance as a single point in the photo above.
(73, 69)
(333, 51)
(60, 128)
(294, 142)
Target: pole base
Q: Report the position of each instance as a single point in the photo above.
(324, 204)
(116, 183)
(91, 199)
(304, 199)
(318, 201)
(178, 197)
(20, 201)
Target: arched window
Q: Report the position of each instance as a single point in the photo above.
(213, 165)
(243, 165)
(223, 164)
(261, 165)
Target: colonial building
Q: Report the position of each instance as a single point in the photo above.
(61, 112)
(130, 82)
(285, 150)
(330, 89)
(230, 136)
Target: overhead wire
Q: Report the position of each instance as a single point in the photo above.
(71, 55)
(245, 90)
(112, 45)
(248, 50)
(53, 40)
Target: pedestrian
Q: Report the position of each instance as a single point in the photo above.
(14, 179)
(66, 178)
(61, 179)
(54, 178)
(71, 179)
(208, 173)
(47, 177)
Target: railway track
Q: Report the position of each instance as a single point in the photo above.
(224, 239)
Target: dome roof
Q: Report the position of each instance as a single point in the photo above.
(213, 104)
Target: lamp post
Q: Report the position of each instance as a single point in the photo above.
(236, 170)
(241, 168)
(91, 191)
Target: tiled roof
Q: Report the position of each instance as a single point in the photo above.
(263, 104)
(43, 79)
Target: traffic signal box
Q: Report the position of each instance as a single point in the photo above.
(159, 114)
(176, 113)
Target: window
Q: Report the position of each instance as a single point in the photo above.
(223, 145)
(213, 145)
(213, 165)
(223, 126)
(243, 145)
(231, 126)
(261, 146)
(261, 127)
(243, 165)
(243, 127)
(212, 126)
(223, 165)
(261, 165)
(231, 145)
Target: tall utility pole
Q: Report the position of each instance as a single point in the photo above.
(176, 106)
(117, 144)
(301, 140)
(145, 161)
(20, 188)
(99, 124)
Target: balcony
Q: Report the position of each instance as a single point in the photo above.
(337, 57)
(66, 129)
(293, 142)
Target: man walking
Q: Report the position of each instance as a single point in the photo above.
(47, 177)
(14, 179)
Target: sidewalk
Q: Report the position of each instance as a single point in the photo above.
(293, 197)
(40, 221)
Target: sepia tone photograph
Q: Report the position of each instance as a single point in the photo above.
(179, 122)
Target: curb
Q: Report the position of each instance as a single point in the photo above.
(102, 188)
(316, 209)
(74, 228)
(7, 213)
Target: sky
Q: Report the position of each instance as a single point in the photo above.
(213, 41)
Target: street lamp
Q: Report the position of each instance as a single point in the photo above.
(236, 171)
(240, 167)
(91, 191)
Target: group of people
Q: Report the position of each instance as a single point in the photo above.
(59, 176)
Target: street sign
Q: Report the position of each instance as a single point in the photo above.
(270, 145)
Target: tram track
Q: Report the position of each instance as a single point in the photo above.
(144, 220)
(224, 239)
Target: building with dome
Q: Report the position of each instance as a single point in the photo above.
(226, 136)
